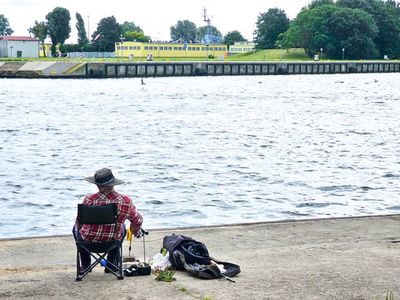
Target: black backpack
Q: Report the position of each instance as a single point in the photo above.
(192, 256)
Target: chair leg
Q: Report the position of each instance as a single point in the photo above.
(121, 267)
(78, 266)
(115, 267)
(80, 272)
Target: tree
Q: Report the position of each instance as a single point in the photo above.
(333, 28)
(130, 26)
(316, 3)
(58, 27)
(353, 30)
(131, 32)
(39, 31)
(209, 34)
(108, 32)
(366, 5)
(83, 40)
(395, 6)
(233, 36)
(388, 38)
(269, 26)
(5, 28)
(184, 31)
(136, 36)
(386, 17)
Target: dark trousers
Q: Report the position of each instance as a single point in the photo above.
(113, 255)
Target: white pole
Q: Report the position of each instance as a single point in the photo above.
(88, 34)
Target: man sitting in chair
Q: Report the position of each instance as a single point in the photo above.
(105, 181)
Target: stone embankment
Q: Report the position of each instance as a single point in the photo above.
(64, 69)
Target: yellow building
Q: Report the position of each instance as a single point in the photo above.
(242, 47)
(165, 49)
(47, 47)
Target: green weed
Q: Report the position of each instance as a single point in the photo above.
(389, 296)
(167, 275)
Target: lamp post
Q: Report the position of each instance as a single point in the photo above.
(343, 53)
(99, 37)
(280, 47)
(11, 47)
(322, 50)
(122, 45)
(88, 34)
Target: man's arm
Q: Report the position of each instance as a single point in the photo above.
(136, 220)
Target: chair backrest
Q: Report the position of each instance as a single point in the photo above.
(99, 214)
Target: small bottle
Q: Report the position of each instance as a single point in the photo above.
(103, 262)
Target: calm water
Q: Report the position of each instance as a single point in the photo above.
(197, 151)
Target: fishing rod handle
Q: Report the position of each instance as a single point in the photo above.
(143, 231)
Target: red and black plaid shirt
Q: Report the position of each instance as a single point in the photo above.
(126, 211)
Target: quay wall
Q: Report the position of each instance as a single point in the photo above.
(162, 69)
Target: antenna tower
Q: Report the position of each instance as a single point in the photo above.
(205, 17)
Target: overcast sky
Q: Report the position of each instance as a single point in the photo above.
(155, 17)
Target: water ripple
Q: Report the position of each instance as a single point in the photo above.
(200, 151)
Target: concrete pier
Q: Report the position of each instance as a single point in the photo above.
(162, 69)
(37, 69)
(343, 258)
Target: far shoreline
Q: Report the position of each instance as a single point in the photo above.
(219, 226)
(118, 69)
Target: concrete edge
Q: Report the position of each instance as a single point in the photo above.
(289, 221)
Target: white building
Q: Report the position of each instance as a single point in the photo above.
(19, 46)
(242, 47)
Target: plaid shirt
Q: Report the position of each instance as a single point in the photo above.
(126, 211)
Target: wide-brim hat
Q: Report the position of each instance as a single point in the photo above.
(104, 177)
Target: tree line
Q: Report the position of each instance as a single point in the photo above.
(351, 29)
(57, 27)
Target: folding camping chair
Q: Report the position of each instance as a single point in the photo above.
(104, 214)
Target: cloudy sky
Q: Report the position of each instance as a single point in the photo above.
(155, 17)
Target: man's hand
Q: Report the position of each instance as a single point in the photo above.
(135, 230)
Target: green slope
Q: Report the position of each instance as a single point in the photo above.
(271, 55)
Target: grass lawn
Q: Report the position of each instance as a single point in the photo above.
(261, 55)
(271, 55)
